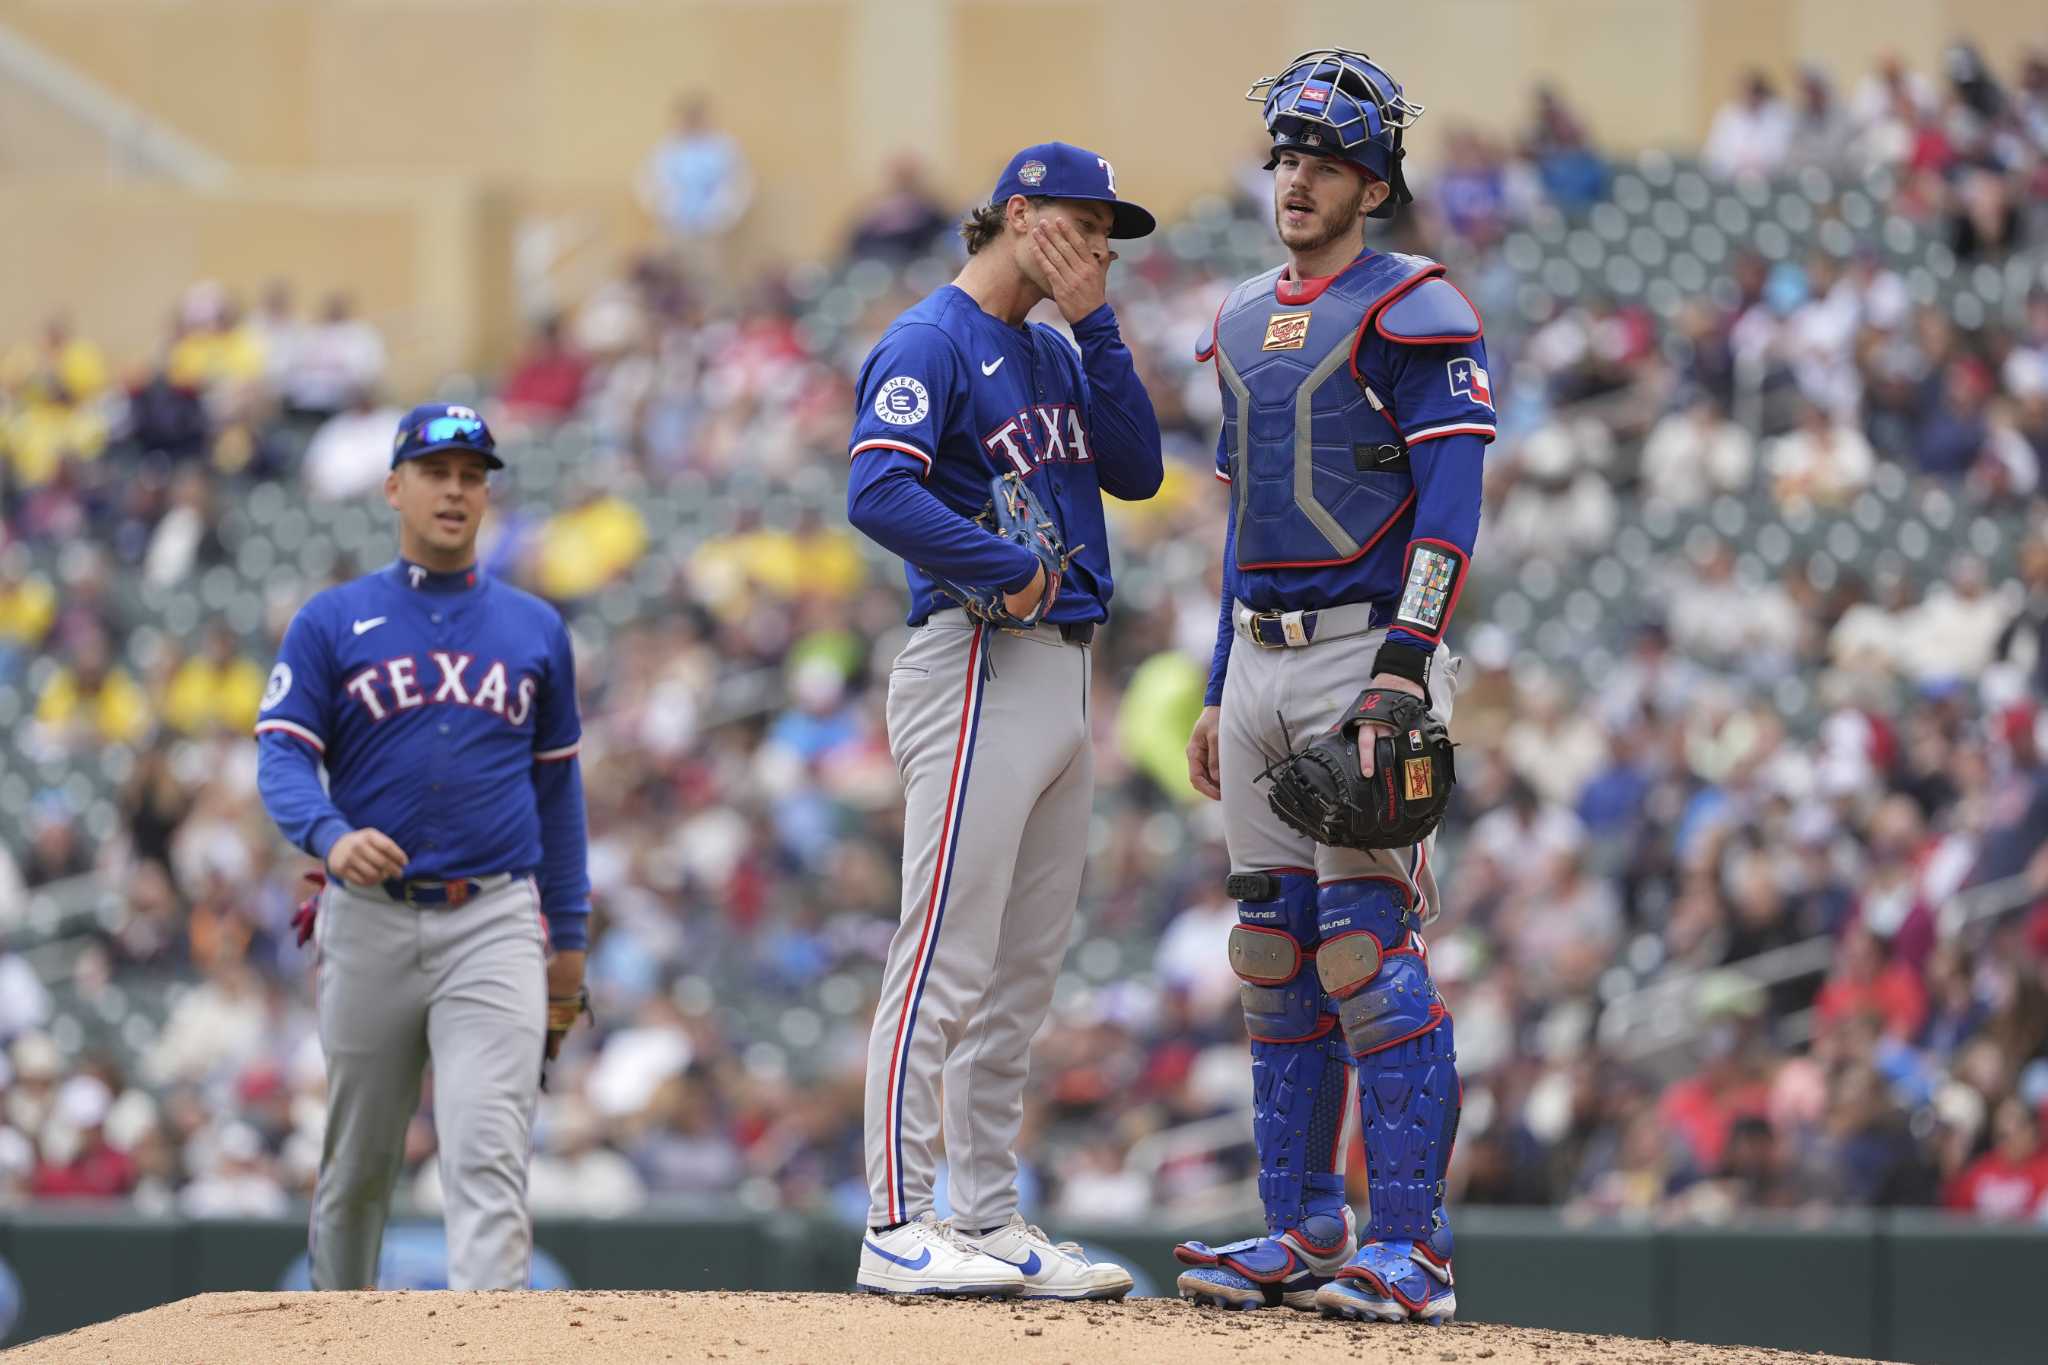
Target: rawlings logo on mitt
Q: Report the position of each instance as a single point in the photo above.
(1320, 792)
(1014, 514)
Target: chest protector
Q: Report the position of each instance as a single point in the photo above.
(1319, 472)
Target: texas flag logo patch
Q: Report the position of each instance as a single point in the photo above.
(1468, 380)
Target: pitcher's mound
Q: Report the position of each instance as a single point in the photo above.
(820, 1329)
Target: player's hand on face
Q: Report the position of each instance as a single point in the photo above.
(1205, 769)
(1077, 274)
(1024, 601)
(1393, 682)
(365, 857)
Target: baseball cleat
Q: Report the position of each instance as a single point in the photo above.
(1268, 1272)
(925, 1256)
(1051, 1270)
(1397, 1281)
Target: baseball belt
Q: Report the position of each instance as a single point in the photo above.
(1293, 629)
(425, 894)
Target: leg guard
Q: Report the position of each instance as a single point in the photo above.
(1299, 1080)
(1399, 1038)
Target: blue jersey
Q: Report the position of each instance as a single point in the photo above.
(950, 397)
(443, 707)
(1410, 411)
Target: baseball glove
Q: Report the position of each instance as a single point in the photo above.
(1319, 791)
(1015, 514)
(563, 1012)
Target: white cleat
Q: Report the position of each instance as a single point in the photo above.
(1051, 1270)
(925, 1256)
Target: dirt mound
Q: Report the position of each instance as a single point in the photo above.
(819, 1329)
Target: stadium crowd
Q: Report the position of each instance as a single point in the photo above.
(1663, 810)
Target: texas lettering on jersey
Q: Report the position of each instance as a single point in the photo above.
(400, 684)
(1047, 433)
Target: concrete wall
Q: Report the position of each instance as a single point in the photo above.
(346, 111)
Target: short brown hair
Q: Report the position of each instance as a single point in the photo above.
(982, 225)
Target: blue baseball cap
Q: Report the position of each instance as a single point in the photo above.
(1060, 170)
(443, 426)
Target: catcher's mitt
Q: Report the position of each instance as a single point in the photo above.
(1015, 514)
(1320, 793)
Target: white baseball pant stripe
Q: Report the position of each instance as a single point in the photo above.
(998, 785)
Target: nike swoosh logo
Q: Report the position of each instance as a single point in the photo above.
(989, 368)
(924, 1258)
(371, 624)
(1029, 1265)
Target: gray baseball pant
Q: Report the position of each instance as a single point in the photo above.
(466, 986)
(998, 784)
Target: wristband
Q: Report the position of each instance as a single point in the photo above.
(1404, 661)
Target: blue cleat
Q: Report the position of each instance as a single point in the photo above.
(1268, 1272)
(1395, 1281)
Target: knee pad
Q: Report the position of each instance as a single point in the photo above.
(1299, 1080)
(1382, 998)
(1269, 950)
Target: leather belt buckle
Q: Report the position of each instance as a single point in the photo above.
(1283, 629)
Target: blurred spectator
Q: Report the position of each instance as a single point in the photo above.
(905, 221)
(1751, 135)
(278, 327)
(28, 608)
(2023, 641)
(1696, 452)
(546, 382)
(588, 544)
(1823, 134)
(1863, 981)
(698, 185)
(1824, 462)
(232, 1179)
(78, 1161)
(333, 362)
(1984, 222)
(2011, 1180)
(93, 701)
(24, 1003)
(1573, 174)
(1957, 627)
(351, 452)
(217, 688)
(1952, 432)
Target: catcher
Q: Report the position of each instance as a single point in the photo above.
(988, 702)
(1356, 413)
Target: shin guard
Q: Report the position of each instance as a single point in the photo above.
(1399, 1038)
(1299, 1078)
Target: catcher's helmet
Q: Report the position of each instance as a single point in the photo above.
(1330, 102)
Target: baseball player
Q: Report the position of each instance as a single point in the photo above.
(989, 726)
(442, 705)
(1356, 417)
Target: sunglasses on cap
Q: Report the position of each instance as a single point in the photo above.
(469, 430)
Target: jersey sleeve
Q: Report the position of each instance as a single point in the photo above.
(293, 727)
(1441, 397)
(558, 725)
(298, 701)
(908, 390)
(564, 874)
